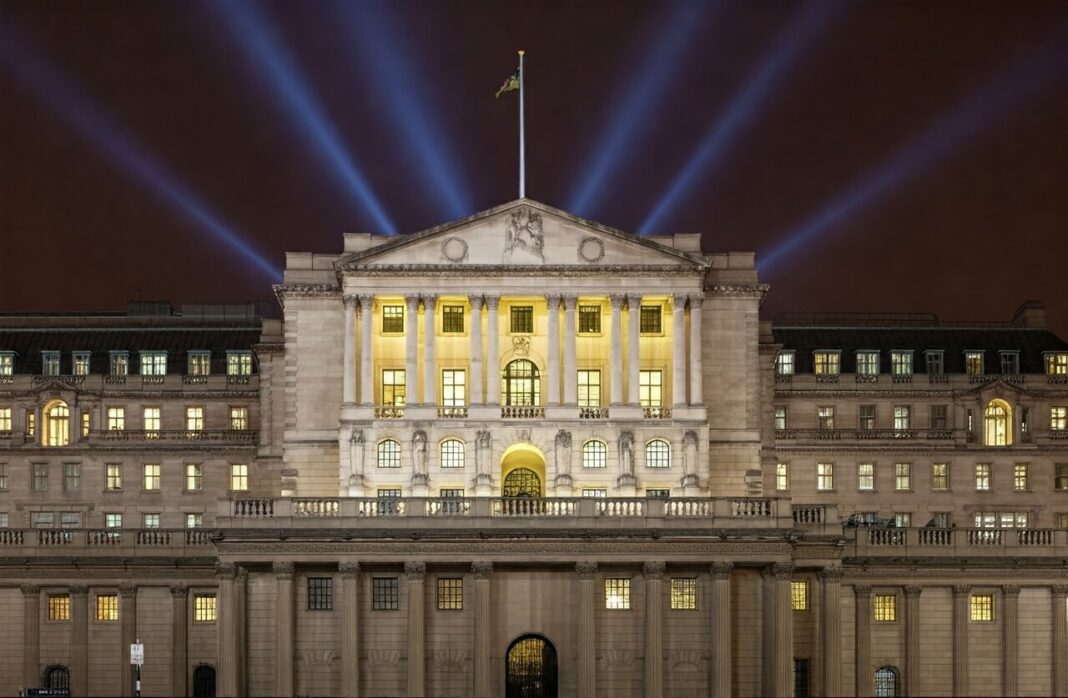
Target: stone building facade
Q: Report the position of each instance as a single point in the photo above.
(527, 454)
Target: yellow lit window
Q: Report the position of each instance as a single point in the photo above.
(973, 363)
(392, 318)
(58, 607)
(194, 477)
(650, 388)
(453, 388)
(799, 595)
(56, 423)
(782, 477)
(151, 422)
(824, 476)
(684, 593)
(199, 363)
(151, 476)
(982, 477)
(116, 418)
(1058, 418)
(107, 607)
(239, 363)
(940, 476)
(589, 388)
(1019, 477)
(982, 607)
(113, 476)
(238, 477)
(997, 420)
(153, 363)
(885, 607)
(239, 418)
(827, 363)
(617, 594)
(194, 418)
(393, 388)
(902, 476)
(450, 594)
(1057, 364)
(5, 419)
(85, 424)
(204, 608)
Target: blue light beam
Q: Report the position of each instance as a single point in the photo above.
(1024, 79)
(46, 81)
(674, 36)
(723, 132)
(377, 40)
(277, 69)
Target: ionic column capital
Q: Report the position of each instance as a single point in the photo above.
(653, 570)
(586, 570)
(722, 570)
(415, 571)
(283, 570)
(482, 569)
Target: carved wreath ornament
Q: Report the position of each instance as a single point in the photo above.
(591, 249)
(454, 249)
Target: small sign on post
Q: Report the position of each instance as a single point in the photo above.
(137, 654)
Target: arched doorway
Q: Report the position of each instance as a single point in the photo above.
(521, 482)
(530, 668)
(57, 678)
(523, 471)
(204, 681)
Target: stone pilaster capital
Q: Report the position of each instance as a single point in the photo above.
(912, 590)
(586, 570)
(366, 301)
(779, 571)
(492, 303)
(482, 569)
(349, 569)
(616, 300)
(349, 301)
(862, 590)
(78, 590)
(242, 574)
(415, 571)
(678, 301)
(283, 569)
(696, 301)
(1010, 590)
(553, 302)
(570, 302)
(1059, 589)
(961, 589)
(30, 589)
(127, 590)
(722, 570)
(634, 302)
(179, 591)
(653, 569)
(412, 301)
(429, 301)
(832, 575)
(225, 570)
(476, 302)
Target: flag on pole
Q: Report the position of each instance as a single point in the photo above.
(510, 83)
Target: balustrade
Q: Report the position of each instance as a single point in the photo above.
(656, 412)
(522, 412)
(215, 435)
(593, 413)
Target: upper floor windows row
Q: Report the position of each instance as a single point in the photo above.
(594, 454)
(868, 362)
(521, 319)
(150, 363)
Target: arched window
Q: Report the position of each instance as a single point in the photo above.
(56, 430)
(57, 678)
(658, 454)
(886, 682)
(998, 420)
(521, 384)
(389, 454)
(594, 454)
(452, 453)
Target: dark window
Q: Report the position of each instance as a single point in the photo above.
(867, 417)
(522, 318)
(450, 594)
(204, 682)
(452, 318)
(392, 318)
(886, 682)
(589, 318)
(934, 363)
(57, 678)
(385, 595)
(320, 594)
(650, 319)
(801, 678)
(939, 417)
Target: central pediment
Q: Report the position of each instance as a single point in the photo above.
(521, 233)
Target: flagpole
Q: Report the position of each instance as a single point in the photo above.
(522, 135)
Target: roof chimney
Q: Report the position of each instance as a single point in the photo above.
(1030, 314)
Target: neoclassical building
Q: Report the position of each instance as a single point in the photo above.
(526, 454)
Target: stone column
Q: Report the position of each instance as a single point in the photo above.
(553, 360)
(587, 648)
(615, 301)
(784, 630)
(678, 350)
(430, 334)
(128, 633)
(79, 641)
(960, 639)
(367, 383)
(31, 642)
(416, 574)
(654, 640)
(411, 350)
(350, 629)
(348, 388)
(226, 629)
(284, 602)
(570, 335)
(1059, 601)
(722, 653)
(180, 639)
(241, 614)
(1010, 642)
(768, 633)
(634, 304)
(482, 572)
(696, 370)
(831, 631)
(477, 384)
(864, 678)
(493, 353)
(913, 674)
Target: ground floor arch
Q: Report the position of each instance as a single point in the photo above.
(531, 669)
(523, 471)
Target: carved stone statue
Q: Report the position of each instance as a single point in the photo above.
(626, 452)
(689, 453)
(563, 452)
(419, 452)
(483, 444)
(357, 457)
(523, 232)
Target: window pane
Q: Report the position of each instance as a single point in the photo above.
(684, 593)
(799, 595)
(658, 454)
(385, 595)
(204, 608)
(589, 319)
(452, 318)
(392, 318)
(594, 454)
(649, 322)
(452, 453)
(320, 593)
(450, 594)
(617, 594)
(522, 317)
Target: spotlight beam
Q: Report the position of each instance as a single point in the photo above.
(376, 40)
(721, 135)
(1024, 79)
(674, 36)
(46, 81)
(277, 69)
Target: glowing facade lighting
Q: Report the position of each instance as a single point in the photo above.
(278, 70)
(1024, 79)
(46, 81)
(673, 37)
(709, 154)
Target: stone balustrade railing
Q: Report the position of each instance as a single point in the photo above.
(176, 382)
(93, 542)
(951, 542)
(242, 436)
(904, 435)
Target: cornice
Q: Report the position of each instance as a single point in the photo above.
(724, 290)
(286, 291)
(514, 270)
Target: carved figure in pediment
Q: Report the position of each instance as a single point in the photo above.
(523, 232)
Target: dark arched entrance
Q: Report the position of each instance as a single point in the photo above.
(521, 482)
(57, 678)
(204, 682)
(530, 668)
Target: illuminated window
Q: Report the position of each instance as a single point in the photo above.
(385, 594)
(982, 477)
(1060, 478)
(799, 595)
(72, 477)
(85, 424)
(389, 454)
(199, 363)
(150, 521)
(589, 388)
(973, 363)
(902, 476)
(7, 363)
(452, 318)
(56, 423)
(50, 363)
(824, 476)
(784, 363)
(1056, 364)
(903, 519)
(902, 418)
(782, 477)
(194, 418)
(59, 607)
(392, 319)
(521, 383)
(239, 418)
(939, 417)
(151, 422)
(204, 608)
(1019, 477)
(996, 418)
(113, 476)
(595, 492)
(239, 363)
(1010, 362)
(43, 519)
(31, 423)
(885, 607)
(657, 492)
(1058, 418)
(107, 607)
(153, 363)
(118, 363)
(393, 387)
(589, 319)
(112, 520)
(867, 363)
(151, 476)
(825, 417)
(684, 593)
(5, 419)
(453, 387)
(320, 593)
(649, 319)
(116, 418)
(982, 607)
(5, 522)
(866, 477)
(1002, 519)
(594, 454)
(522, 317)
(1062, 520)
(939, 476)
(780, 417)
(658, 454)
(617, 593)
(80, 363)
(866, 417)
(450, 594)
(827, 363)
(452, 453)
(901, 363)
(194, 520)
(238, 477)
(650, 388)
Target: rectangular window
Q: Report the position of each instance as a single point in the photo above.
(72, 477)
(1060, 477)
(1057, 364)
(7, 363)
(387, 500)
(70, 519)
(982, 477)
(825, 417)
(824, 477)
(43, 519)
(151, 422)
(973, 363)
(902, 418)
(194, 477)
(939, 476)
(450, 594)
(866, 420)
(31, 423)
(799, 595)
(617, 593)
(59, 607)
(885, 607)
(596, 493)
(649, 388)
(939, 417)
(1010, 363)
(782, 477)
(392, 319)
(116, 418)
(85, 424)
(784, 363)
(204, 608)
(1019, 477)
(239, 363)
(194, 418)
(867, 363)
(1058, 418)
(589, 319)
(199, 363)
(901, 363)
(4, 520)
(5, 419)
(239, 418)
(452, 319)
(827, 363)
(982, 607)
(50, 363)
(40, 477)
(119, 363)
(780, 417)
(903, 477)
(112, 520)
(684, 593)
(903, 519)
(453, 387)
(522, 317)
(935, 359)
(649, 320)
(80, 363)
(657, 493)
(393, 387)
(194, 520)
(320, 593)
(151, 477)
(589, 388)
(113, 476)
(3, 477)
(1062, 520)
(238, 477)
(385, 594)
(150, 521)
(153, 363)
(107, 607)
(866, 477)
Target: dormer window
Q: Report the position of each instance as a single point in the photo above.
(80, 363)
(901, 363)
(49, 363)
(1056, 363)
(239, 363)
(119, 363)
(784, 363)
(199, 363)
(7, 363)
(1010, 363)
(827, 363)
(973, 363)
(935, 359)
(153, 363)
(867, 363)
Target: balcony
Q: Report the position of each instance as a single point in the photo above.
(110, 542)
(956, 542)
(522, 412)
(145, 436)
(171, 382)
(859, 435)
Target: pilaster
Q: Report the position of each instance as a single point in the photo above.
(79, 641)
(128, 633)
(1010, 639)
(960, 639)
(31, 642)
(416, 575)
(350, 629)
(1059, 599)
(913, 672)
(226, 629)
(482, 572)
(179, 638)
(587, 649)
(653, 572)
(864, 680)
(722, 653)
(283, 572)
(831, 631)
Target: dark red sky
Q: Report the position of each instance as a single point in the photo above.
(968, 236)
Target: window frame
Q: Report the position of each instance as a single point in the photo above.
(320, 593)
(594, 454)
(155, 360)
(450, 593)
(884, 607)
(585, 313)
(451, 314)
(825, 477)
(240, 477)
(651, 319)
(385, 594)
(392, 315)
(865, 481)
(658, 454)
(683, 594)
(393, 455)
(867, 362)
(520, 319)
(617, 593)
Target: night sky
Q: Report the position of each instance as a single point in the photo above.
(967, 220)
